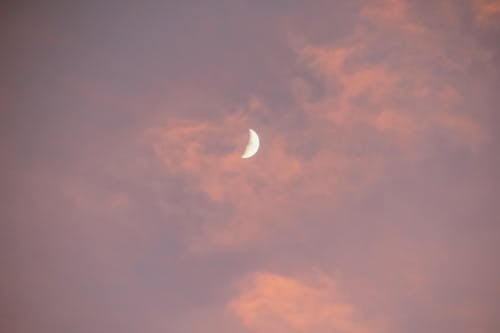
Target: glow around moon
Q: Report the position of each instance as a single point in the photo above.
(252, 145)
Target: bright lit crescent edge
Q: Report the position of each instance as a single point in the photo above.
(252, 146)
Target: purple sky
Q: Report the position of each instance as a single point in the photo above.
(371, 207)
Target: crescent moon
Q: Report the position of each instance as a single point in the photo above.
(252, 145)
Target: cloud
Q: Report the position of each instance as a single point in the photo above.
(269, 302)
(352, 93)
(387, 10)
(251, 200)
(487, 11)
(365, 87)
(127, 206)
(207, 155)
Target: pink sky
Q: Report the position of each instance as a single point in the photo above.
(371, 207)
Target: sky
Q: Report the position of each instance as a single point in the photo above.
(372, 205)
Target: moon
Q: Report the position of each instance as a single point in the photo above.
(252, 145)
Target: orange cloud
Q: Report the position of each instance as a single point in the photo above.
(391, 95)
(344, 83)
(394, 13)
(387, 10)
(462, 130)
(401, 124)
(487, 11)
(255, 190)
(262, 194)
(390, 102)
(326, 62)
(275, 303)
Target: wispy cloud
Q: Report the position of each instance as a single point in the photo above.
(275, 303)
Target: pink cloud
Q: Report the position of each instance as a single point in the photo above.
(349, 76)
(487, 11)
(225, 178)
(270, 302)
(385, 102)
(265, 193)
